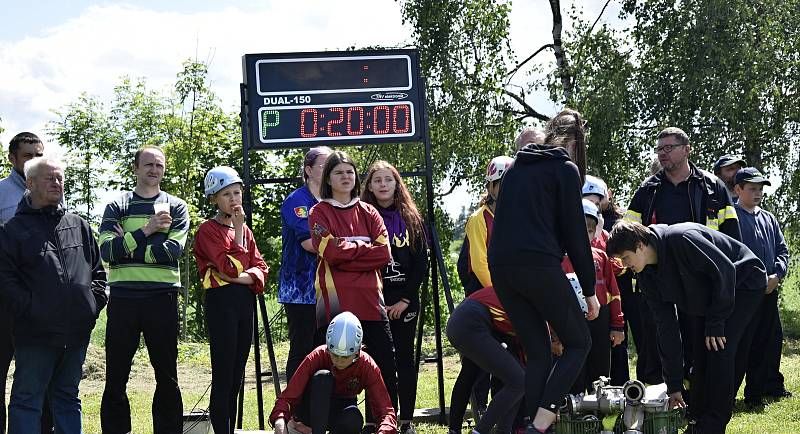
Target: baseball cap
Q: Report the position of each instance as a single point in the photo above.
(590, 209)
(752, 175)
(727, 160)
(594, 185)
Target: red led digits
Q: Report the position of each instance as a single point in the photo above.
(359, 121)
(314, 123)
(339, 119)
(395, 114)
(375, 126)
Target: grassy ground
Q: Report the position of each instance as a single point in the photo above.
(195, 378)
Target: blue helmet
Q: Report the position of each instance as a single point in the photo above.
(344, 335)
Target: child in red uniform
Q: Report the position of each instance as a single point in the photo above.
(352, 244)
(607, 329)
(323, 391)
(473, 329)
(232, 271)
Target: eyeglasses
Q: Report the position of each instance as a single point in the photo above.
(666, 149)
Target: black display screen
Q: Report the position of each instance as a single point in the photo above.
(344, 74)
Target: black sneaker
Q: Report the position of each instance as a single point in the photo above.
(753, 403)
(783, 394)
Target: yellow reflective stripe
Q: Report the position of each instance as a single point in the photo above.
(727, 213)
(632, 216)
(712, 224)
(612, 298)
(381, 240)
(207, 279)
(237, 264)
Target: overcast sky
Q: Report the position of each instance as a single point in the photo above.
(52, 50)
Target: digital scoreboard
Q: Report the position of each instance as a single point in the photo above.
(333, 97)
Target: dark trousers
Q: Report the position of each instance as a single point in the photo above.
(301, 319)
(322, 411)
(598, 362)
(648, 364)
(6, 354)
(530, 303)
(403, 333)
(229, 316)
(46, 370)
(378, 344)
(469, 330)
(156, 318)
(630, 307)
(714, 372)
(764, 377)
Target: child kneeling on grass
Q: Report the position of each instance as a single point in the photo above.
(322, 393)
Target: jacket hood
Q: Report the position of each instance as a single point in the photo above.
(533, 153)
(25, 207)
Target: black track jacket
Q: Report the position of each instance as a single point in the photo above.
(539, 215)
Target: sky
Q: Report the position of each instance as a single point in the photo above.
(51, 51)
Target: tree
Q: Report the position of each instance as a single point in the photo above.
(85, 132)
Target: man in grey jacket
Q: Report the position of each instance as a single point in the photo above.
(23, 147)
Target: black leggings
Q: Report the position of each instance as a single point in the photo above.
(229, 315)
(469, 330)
(301, 321)
(532, 296)
(403, 334)
(322, 411)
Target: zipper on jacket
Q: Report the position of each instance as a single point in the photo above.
(61, 254)
(691, 206)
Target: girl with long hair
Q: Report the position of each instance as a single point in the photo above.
(352, 244)
(539, 215)
(402, 277)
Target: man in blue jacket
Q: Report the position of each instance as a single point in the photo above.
(52, 284)
(717, 283)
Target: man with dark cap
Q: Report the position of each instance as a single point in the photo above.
(725, 169)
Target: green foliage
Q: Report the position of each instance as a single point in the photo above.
(464, 50)
(5, 167)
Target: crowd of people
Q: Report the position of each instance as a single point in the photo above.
(557, 281)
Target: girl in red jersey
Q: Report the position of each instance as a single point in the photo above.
(352, 245)
(232, 271)
(403, 276)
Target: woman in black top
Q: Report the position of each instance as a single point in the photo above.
(539, 216)
(402, 277)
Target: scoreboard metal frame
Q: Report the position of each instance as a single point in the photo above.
(351, 97)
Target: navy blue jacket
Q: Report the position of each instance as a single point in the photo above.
(51, 278)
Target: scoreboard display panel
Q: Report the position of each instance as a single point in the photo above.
(296, 99)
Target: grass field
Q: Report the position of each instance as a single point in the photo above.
(195, 378)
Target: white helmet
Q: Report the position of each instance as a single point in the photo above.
(344, 335)
(595, 185)
(498, 167)
(590, 209)
(219, 178)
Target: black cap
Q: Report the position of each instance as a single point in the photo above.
(752, 175)
(727, 160)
